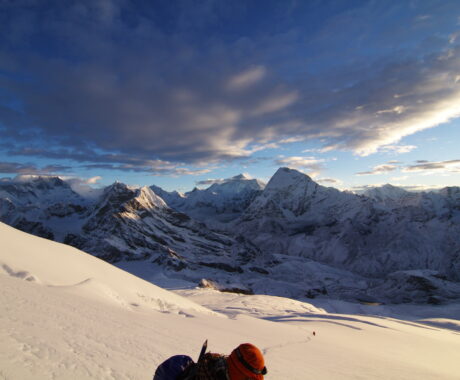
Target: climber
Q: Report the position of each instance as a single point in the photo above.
(246, 362)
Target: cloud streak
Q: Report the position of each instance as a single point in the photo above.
(398, 149)
(20, 168)
(434, 166)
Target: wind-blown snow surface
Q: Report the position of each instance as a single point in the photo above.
(67, 315)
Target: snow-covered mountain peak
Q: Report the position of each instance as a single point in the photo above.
(451, 192)
(386, 192)
(41, 183)
(38, 189)
(148, 199)
(236, 185)
(291, 196)
(241, 176)
(223, 201)
(285, 178)
(49, 182)
(39, 180)
(116, 189)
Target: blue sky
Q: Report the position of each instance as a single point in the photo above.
(180, 93)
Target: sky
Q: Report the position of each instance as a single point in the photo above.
(181, 93)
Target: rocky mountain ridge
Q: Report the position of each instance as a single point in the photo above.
(125, 223)
(292, 237)
(296, 216)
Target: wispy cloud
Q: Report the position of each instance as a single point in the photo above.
(246, 78)
(413, 188)
(379, 169)
(311, 165)
(331, 181)
(90, 159)
(209, 182)
(399, 149)
(434, 166)
(19, 168)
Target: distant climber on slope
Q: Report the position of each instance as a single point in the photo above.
(246, 362)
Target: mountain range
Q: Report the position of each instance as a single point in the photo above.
(290, 237)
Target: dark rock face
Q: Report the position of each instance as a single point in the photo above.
(34, 228)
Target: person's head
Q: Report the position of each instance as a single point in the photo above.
(246, 362)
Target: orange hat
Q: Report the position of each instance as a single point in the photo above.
(246, 362)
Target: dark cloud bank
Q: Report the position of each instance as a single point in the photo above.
(157, 86)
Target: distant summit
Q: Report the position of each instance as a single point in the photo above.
(221, 202)
(386, 192)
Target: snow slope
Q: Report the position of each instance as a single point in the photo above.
(67, 315)
(55, 265)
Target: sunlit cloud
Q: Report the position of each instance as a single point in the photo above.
(93, 180)
(397, 110)
(311, 165)
(379, 169)
(399, 149)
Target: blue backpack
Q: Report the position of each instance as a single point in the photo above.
(173, 367)
(178, 367)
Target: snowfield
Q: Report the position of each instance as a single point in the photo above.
(65, 314)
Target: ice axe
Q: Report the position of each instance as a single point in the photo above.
(203, 350)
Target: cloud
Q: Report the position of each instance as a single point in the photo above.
(275, 103)
(211, 85)
(434, 166)
(154, 168)
(310, 164)
(208, 182)
(85, 186)
(328, 181)
(399, 149)
(413, 188)
(380, 169)
(90, 159)
(93, 180)
(274, 145)
(246, 78)
(19, 168)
